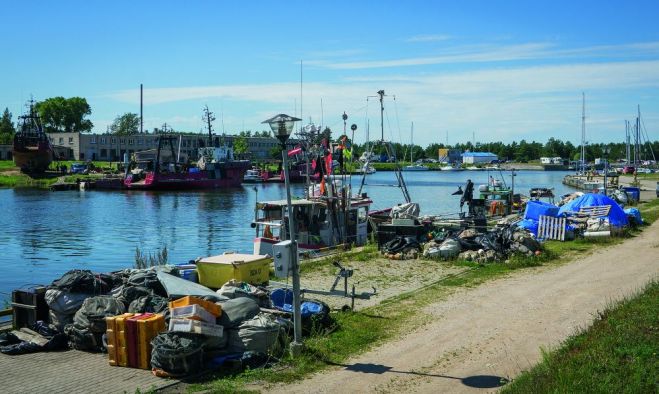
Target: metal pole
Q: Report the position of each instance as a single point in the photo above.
(297, 318)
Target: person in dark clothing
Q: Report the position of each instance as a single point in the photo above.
(468, 195)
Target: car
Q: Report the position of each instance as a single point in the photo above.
(79, 168)
(628, 169)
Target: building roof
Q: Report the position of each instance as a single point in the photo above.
(479, 154)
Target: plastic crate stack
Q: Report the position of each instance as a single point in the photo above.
(194, 315)
(129, 338)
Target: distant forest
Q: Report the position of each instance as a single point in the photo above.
(524, 151)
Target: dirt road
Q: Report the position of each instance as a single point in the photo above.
(497, 329)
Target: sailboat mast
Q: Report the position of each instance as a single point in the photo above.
(412, 145)
(627, 151)
(381, 94)
(583, 132)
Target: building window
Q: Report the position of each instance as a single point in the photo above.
(140, 141)
(102, 140)
(113, 140)
(93, 140)
(131, 141)
(122, 140)
(61, 140)
(70, 140)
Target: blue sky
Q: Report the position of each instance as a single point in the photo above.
(499, 70)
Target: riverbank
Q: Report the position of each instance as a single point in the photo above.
(12, 177)
(407, 341)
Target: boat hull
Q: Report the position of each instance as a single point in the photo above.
(202, 180)
(32, 159)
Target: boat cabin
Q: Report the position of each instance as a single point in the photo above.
(319, 222)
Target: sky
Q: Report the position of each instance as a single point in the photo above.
(479, 71)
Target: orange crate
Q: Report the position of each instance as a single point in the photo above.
(211, 307)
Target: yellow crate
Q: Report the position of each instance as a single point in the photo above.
(147, 329)
(116, 332)
(215, 271)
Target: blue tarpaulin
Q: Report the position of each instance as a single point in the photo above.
(617, 216)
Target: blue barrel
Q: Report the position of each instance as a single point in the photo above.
(633, 192)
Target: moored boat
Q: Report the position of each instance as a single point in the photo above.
(31, 150)
(253, 176)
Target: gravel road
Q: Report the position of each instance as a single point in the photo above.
(497, 329)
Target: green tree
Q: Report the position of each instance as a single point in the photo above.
(60, 114)
(126, 124)
(7, 129)
(240, 146)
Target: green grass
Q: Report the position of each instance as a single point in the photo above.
(358, 332)
(10, 175)
(618, 354)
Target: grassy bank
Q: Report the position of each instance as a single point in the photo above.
(617, 354)
(358, 332)
(11, 176)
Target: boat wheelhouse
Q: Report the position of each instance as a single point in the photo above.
(321, 222)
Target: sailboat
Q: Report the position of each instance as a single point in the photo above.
(414, 166)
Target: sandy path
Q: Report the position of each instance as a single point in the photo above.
(497, 329)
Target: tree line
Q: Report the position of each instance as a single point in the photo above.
(59, 114)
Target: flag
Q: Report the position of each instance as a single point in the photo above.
(328, 163)
(322, 186)
(294, 151)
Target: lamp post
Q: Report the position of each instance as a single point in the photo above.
(282, 126)
(606, 151)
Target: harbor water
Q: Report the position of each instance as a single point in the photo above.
(43, 234)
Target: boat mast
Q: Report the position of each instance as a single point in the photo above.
(583, 132)
(412, 146)
(208, 117)
(627, 151)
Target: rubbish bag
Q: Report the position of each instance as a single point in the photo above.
(89, 322)
(63, 305)
(84, 281)
(262, 333)
(449, 248)
(149, 303)
(236, 311)
(401, 243)
(149, 279)
(177, 353)
(234, 289)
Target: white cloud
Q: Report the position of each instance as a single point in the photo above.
(429, 38)
(484, 54)
(533, 102)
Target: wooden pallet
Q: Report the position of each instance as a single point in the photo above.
(595, 211)
(551, 228)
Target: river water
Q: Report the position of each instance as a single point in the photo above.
(43, 234)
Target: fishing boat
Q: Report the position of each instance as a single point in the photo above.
(414, 166)
(31, 150)
(321, 222)
(253, 176)
(163, 170)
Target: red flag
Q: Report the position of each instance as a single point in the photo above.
(322, 186)
(294, 151)
(328, 163)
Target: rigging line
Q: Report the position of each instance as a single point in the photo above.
(647, 137)
(400, 135)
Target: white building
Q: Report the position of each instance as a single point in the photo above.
(479, 157)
